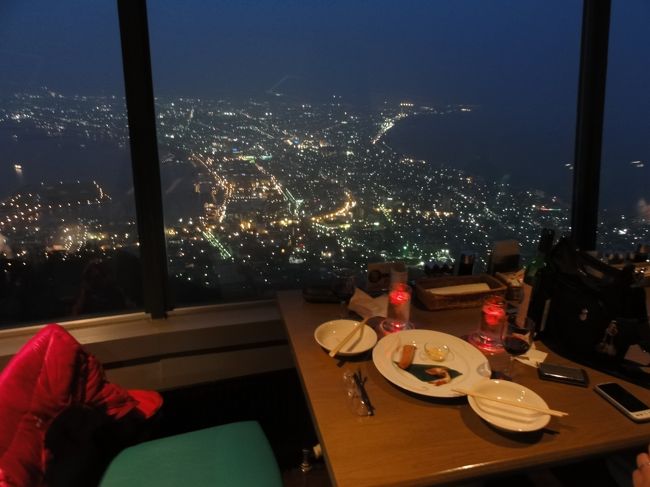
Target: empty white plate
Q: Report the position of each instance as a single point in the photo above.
(329, 335)
(504, 416)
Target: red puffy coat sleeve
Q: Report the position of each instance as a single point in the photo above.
(49, 374)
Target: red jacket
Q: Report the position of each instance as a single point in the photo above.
(50, 373)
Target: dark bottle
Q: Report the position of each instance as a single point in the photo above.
(642, 253)
(446, 269)
(465, 265)
(534, 301)
(432, 269)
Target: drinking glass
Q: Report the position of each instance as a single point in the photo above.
(517, 340)
(398, 314)
(493, 319)
(358, 400)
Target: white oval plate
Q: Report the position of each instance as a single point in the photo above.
(463, 357)
(504, 416)
(329, 335)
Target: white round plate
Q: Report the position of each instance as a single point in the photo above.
(462, 356)
(329, 335)
(504, 416)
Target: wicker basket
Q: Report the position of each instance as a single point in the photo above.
(424, 289)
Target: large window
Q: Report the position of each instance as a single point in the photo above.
(302, 137)
(298, 139)
(625, 180)
(68, 242)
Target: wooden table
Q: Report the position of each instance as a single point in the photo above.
(417, 440)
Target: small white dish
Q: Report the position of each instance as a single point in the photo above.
(504, 416)
(437, 352)
(329, 334)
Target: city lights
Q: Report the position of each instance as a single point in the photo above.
(262, 194)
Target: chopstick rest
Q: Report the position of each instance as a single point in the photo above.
(357, 326)
(551, 412)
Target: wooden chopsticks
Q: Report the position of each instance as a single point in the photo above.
(357, 326)
(518, 404)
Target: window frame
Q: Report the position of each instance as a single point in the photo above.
(589, 123)
(138, 87)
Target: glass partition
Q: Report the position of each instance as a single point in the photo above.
(625, 173)
(300, 140)
(68, 239)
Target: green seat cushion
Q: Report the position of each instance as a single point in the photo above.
(235, 454)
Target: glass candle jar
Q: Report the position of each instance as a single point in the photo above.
(493, 318)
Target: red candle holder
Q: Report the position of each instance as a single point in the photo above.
(493, 318)
(399, 309)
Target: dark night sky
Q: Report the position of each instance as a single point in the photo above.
(441, 51)
(517, 57)
(447, 51)
(515, 52)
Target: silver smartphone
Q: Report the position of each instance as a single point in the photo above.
(624, 401)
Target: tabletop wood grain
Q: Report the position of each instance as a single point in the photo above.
(415, 440)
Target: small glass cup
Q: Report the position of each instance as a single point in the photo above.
(357, 400)
(493, 319)
(399, 309)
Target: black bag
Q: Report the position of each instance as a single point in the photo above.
(596, 312)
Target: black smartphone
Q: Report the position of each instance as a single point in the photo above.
(624, 401)
(562, 373)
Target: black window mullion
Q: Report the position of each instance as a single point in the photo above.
(589, 123)
(136, 60)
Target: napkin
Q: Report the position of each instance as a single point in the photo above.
(367, 306)
(532, 357)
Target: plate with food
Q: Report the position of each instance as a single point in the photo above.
(430, 363)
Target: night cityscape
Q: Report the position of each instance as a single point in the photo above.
(269, 194)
